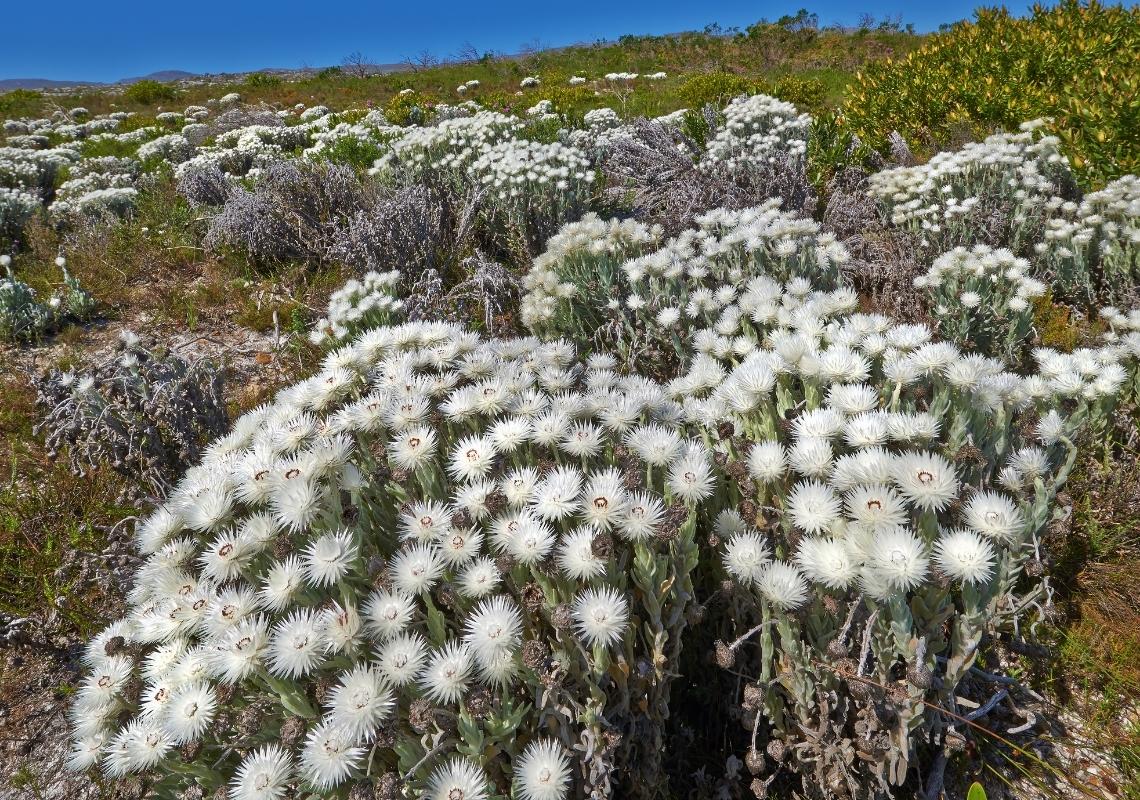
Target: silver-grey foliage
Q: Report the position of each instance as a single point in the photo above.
(143, 413)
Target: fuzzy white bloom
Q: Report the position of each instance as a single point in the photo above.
(600, 615)
(994, 515)
(458, 779)
(782, 585)
(542, 772)
(927, 479)
(813, 506)
(745, 557)
(329, 756)
(264, 774)
(964, 556)
(446, 677)
(898, 559)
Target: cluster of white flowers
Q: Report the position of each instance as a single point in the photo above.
(448, 147)
(359, 305)
(1092, 250)
(581, 263)
(463, 88)
(173, 148)
(982, 297)
(756, 129)
(1024, 169)
(406, 474)
(525, 177)
(16, 208)
(529, 82)
(576, 80)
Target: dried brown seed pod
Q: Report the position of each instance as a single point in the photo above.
(725, 656)
(292, 730)
(534, 653)
(755, 762)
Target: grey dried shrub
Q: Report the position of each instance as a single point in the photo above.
(144, 413)
(653, 172)
(295, 210)
(205, 185)
(412, 229)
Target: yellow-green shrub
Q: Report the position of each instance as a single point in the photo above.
(1075, 62)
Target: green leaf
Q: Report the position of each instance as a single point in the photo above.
(976, 792)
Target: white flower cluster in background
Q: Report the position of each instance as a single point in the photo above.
(982, 299)
(1092, 250)
(529, 82)
(173, 148)
(756, 129)
(448, 147)
(370, 302)
(524, 177)
(1025, 170)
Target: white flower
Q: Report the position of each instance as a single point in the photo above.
(188, 713)
(329, 756)
(263, 775)
(481, 577)
(360, 702)
(745, 556)
(447, 674)
(387, 613)
(138, 746)
(600, 615)
(691, 479)
(876, 506)
(413, 447)
(604, 499)
(458, 779)
(415, 569)
(542, 772)
(328, 558)
(556, 495)
(813, 506)
(782, 585)
(827, 561)
(964, 556)
(767, 462)
(492, 629)
(400, 659)
(644, 512)
(471, 458)
(298, 644)
(994, 515)
(898, 558)
(927, 479)
(576, 556)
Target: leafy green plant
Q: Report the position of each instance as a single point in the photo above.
(148, 92)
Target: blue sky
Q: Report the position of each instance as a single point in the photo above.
(85, 40)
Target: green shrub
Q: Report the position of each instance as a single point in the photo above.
(20, 103)
(258, 80)
(148, 92)
(1075, 62)
(715, 88)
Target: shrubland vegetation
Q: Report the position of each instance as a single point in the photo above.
(737, 413)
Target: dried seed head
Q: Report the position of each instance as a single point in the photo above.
(192, 792)
(534, 653)
(447, 597)
(461, 519)
(776, 749)
(759, 788)
(478, 702)
(222, 724)
(376, 565)
(748, 509)
(114, 645)
(725, 430)
(421, 715)
(720, 458)
(504, 563)
(362, 790)
(249, 720)
(713, 541)
(754, 760)
(696, 614)
(837, 649)
(292, 730)
(190, 751)
(496, 501)
(322, 687)
(830, 605)
(919, 676)
(562, 617)
(388, 786)
(282, 546)
(224, 692)
(1034, 568)
(724, 655)
(219, 794)
(602, 545)
(753, 697)
(532, 597)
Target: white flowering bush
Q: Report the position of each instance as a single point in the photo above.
(359, 305)
(427, 526)
(16, 208)
(757, 129)
(1091, 250)
(23, 317)
(448, 148)
(534, 186)
(173, 147)
(1017, 177)
(982, 299)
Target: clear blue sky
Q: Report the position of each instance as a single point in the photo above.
(113, 39)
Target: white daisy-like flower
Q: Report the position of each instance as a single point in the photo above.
(532, 540)
(994, 515)
(746, 555)
(329, 756)
(691, 478)
(296, 501)
(240, 651)
(138, 746)
(297, 645)
(401, 658)
(600, 615)
(263, 775)
(876, 506)
(509, 434)
(811, 456)
(457, 546)
(189, 712)
(282, 582)
(416, 569)
(576, 557)
(458, 779)
(782, 585)
(643, 513)
(425, 521)
(583, 440)
(654, 444)
(340, 626)
(387, 614)
(413, 448)
(446, 677)
(471, 458)
(927, 479)
(329, 558)
(813, 506)
(898, 558)
(542, 772)
(604, 499)
(518, 484)
(479, 578)
(493, 628)
(827, 561)
(767, 462)
(556, 496)
(964, 556)
(85, 751)
(360, 702)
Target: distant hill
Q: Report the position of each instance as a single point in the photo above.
(165, 75)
